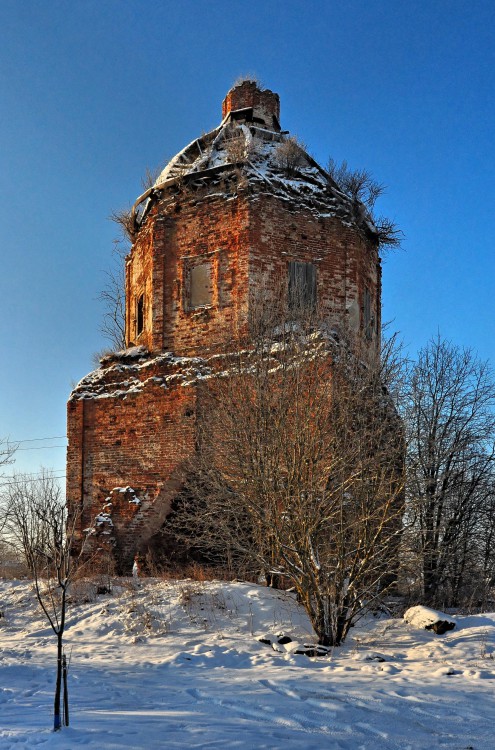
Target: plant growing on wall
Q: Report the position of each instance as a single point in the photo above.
(363, 190)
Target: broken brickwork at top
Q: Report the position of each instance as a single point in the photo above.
(264, 103)
(229, 216)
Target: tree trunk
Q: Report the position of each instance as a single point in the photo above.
(57, 719)
(272, 580)
(430, 578)
(323, 625)
(66, 691)
(343, 625)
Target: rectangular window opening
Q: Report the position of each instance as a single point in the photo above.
(200, 286)
(140, 315)
(302, 286)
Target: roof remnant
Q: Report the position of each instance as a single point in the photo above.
(244, 152)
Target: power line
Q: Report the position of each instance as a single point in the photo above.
(34, 479)
(41, 448)
(35, 440)
(26, 474)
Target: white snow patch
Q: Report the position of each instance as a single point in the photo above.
(422, 617)
(176, 664)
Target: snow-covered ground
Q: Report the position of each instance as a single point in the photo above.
(178, 665)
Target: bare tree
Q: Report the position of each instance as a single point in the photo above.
(361, 187)
(299, 468)
(7, 450)
(113, 298)
(484, 549)
(38, 524)
(113, 293)
(450, 423)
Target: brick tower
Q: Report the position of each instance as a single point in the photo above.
(240, 208)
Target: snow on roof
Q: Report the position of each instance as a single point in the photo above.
(132, 370)
(268, 160)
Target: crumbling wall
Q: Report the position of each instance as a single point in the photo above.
(265, 103)
(132, 425)
(138, 440)
(221, 226)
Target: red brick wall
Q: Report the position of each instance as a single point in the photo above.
(247, 94)
(346, 263)
(140, 437)
(248, 242)
(213, 231)
(139, 441)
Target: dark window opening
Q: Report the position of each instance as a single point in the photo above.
(200, 286)
(140, 315)
(302, 285)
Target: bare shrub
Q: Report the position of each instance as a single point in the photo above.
(98, 356)
(290, 155)
(124, 218)
(359, 184)
(299, 470)
(248, 78)
(94, 577)
(364, 191)
(11, 563)
(150, 176)
(236, 148)
(83, 591)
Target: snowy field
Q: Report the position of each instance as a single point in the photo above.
(178, 665)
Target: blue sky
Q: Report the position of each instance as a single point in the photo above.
(91, 93)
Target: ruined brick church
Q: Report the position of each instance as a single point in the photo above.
(240, 208)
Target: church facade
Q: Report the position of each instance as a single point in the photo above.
(242, 208)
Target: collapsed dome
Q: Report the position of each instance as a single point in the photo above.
(250, 120)
(249, 143)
